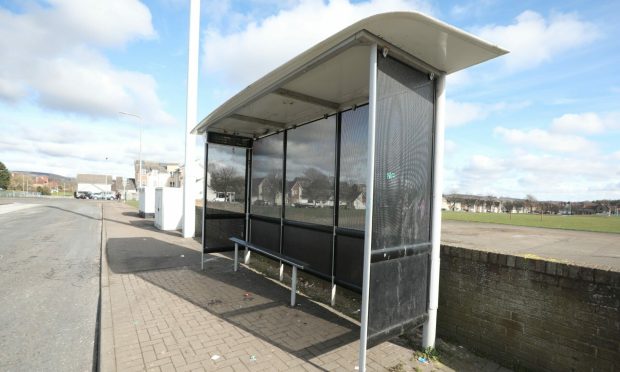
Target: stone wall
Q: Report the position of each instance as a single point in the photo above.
(530, 314)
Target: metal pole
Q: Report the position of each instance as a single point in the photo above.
(429, 332)
(204, 202)
(189, 202)
(372, 116)
(140, 158)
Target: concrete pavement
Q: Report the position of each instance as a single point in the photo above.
(590, 249)
(161, 313)
(49, 284)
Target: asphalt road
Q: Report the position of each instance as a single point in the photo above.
(49, 284)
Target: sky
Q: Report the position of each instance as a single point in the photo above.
(543, 120)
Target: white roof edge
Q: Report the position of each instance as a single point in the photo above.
(377, 25)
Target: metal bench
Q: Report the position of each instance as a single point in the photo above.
(295, 264)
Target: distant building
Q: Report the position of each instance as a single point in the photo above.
(156, 174)
(94, 183)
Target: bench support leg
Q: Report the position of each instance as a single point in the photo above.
(333, 302)
(281, 271)
(246, 258)
(293, 286)
(236, 256)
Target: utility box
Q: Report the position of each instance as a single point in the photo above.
(146, 195)
(168, 208)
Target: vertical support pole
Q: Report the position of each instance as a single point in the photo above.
(248, 192)
(372, 118)
(248, 202)
(336, 204)
(236, 257)
(204, 203)
(189, 184)
(293, 285)
(429, 332)
(281, 271)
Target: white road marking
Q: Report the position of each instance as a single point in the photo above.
(8, 208)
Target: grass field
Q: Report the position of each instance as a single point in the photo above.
(133, 203)
(609, 224)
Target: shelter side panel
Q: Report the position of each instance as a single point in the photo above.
(401, 224)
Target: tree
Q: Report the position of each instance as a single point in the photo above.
(319, 187)
(530, 202)
(5, 177)
(44, 190)
(227, 179)
(508, 205)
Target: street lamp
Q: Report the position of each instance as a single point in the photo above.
(140, 153)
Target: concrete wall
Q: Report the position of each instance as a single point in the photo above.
(530, 314)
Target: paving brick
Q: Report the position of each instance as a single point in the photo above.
(179, 318)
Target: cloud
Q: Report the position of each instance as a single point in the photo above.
(533, 40)
(461, 113)
(588, 123)
(548, 177)
(69, 145)
(273, 40)
(544, 140)
(51, 55)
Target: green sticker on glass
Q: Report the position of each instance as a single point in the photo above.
(390, 175)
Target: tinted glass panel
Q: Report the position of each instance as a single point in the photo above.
(218, 232)
(267, 158)
(226, 179)
(353, 166)
(310, 157)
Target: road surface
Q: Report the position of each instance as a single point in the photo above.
(49, 284)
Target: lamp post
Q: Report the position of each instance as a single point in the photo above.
(140, 152)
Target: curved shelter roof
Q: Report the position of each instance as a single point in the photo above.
(333, 75)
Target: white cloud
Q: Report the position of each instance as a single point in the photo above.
(533, 40)
(548, 177)
(272, 41)
(461, 113)
(544, 140)
(50, 54)
(588, 123)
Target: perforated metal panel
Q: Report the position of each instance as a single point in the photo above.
(402, 200)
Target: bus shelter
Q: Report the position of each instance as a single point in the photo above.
(335, 159)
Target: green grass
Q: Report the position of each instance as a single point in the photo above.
(133, 203)
(609, 224)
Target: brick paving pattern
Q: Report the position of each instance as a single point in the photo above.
(179, 318)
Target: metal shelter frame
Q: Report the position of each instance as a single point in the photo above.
(396, 64)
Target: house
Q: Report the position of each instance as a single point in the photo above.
(155, 174)
(360, 201)
(94, 183)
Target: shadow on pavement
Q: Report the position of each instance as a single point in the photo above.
(245, 299)
(131, 255)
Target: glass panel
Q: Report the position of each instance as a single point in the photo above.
(225, 179)
(353, 166)
(310, 172)
(267, 157)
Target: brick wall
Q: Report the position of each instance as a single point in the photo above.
(530, 314)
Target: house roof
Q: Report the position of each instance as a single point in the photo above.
(333, 75)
